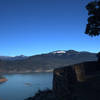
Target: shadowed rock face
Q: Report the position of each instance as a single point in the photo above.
(98, 56)
(63, 81)
(67, 85)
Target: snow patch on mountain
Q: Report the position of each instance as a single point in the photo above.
(59, 52)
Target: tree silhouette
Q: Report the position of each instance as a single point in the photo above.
(93, 26)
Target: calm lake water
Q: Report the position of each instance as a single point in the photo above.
(21, 86)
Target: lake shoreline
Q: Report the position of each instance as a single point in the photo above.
(27, 72)
(25, 85)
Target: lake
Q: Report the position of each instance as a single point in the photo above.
(21, 86)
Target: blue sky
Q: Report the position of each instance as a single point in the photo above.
(38, 26)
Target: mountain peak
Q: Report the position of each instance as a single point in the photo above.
(59, 52)
(72, 51)
(64, 51)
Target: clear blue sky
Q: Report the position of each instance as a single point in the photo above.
(38, 26)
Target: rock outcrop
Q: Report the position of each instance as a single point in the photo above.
(43, 95)
(3, 80)
(76, 82)
(63, 82)
(69, 82)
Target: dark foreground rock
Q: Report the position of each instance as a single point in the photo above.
(43, 95)
(77, 82)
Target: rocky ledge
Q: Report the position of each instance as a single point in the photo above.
(43, 95)
(3, 79)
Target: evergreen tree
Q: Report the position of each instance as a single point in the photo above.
(93, 26)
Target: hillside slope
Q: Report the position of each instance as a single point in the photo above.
(45, 62)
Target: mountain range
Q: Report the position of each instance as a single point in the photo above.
(21, 57)
(44, 62)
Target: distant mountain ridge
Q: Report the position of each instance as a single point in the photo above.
(46, 62)
(21, 57)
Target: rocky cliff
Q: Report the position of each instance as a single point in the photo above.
(63, 82)
(76, 82)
